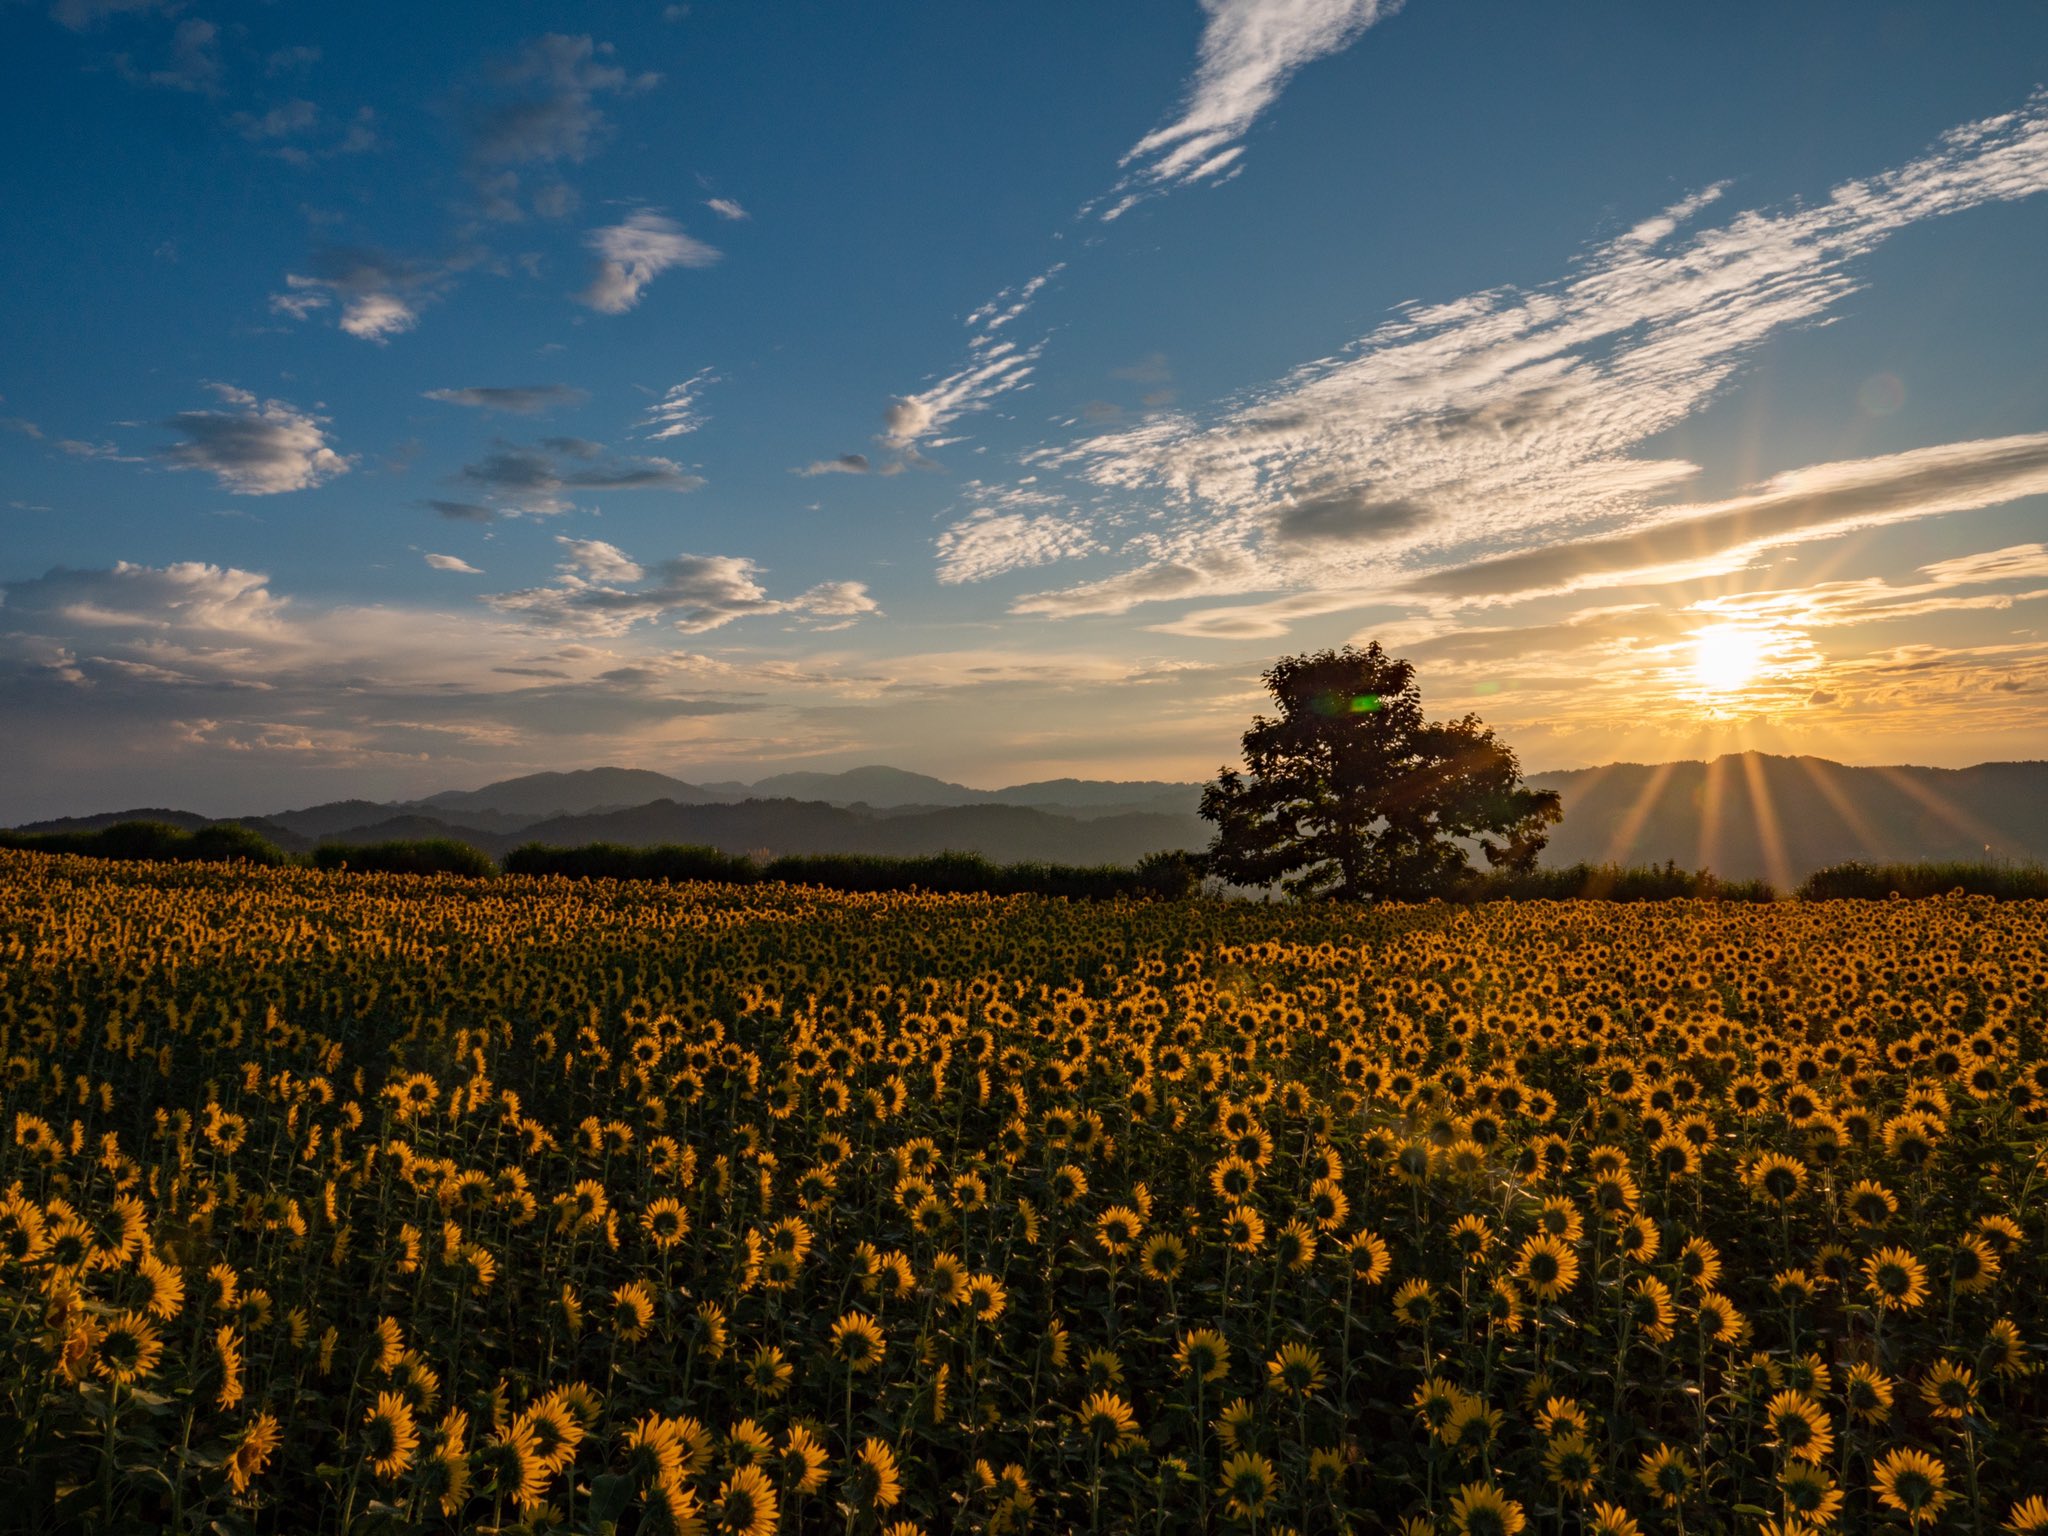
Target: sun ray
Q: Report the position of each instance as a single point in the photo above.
(1770, 837)
(1711, 792)
(1821, 773)
(1631, 824)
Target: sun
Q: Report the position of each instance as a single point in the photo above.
(1727, 658)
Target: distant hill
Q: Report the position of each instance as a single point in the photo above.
(1004, 833)
(1752, 815)
(571, 794)
(1744, 816)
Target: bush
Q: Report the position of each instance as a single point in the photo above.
(1169, 875)
(156, 842)
(617, 861)
(1874, 882)
(1615, 882)
(423, 856)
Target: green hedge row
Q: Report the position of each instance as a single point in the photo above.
(1166, 875)
(1169, 875)
(1875, 882)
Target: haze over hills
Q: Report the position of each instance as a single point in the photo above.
(1746, 816)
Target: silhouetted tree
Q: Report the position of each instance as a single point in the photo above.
(1350, 793)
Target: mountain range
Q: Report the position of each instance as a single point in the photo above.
(1744, 816)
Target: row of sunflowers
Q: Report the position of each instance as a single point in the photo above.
(339, 1203)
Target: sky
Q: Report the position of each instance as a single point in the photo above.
(403, 398)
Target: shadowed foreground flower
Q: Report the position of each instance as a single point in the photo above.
(252, 1450)
(1204, 1354)
(390, 1435)
(1296, 1371)
(1108, 1419)
(1480, 1509)
(746, 1504)
(874, 1481)
(1248, 1484)
(1912, 1482)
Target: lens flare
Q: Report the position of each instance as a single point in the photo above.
(1726, 658)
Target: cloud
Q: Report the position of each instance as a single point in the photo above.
(1515, 418)
(1249, 51)
(280, 122)
(1816, 502)
(598, 589)
(844, 464)
(993, 368)
(452, 563)
(255, 449)
(517, 399)
(1201, 575)
(631, 255)
(137, 600)
(529, 479)
(80, 14)
(676, 414)
(726, 208)
(20, 424)
(545, 101)
(463, 511)
(1008, 532)
(595, 560)
(194, 64)
(380, 295)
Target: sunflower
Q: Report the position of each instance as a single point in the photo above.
(1896, 1279)
(1415, 1302)
(1296, 1371)
(128, 1348)
(1569, 1463)
(857, 1342)
(2028, 1516)
(1612, 1520)
(514, 1460)
(746, 1504)
(670, 1508)
(1204, 1354)
(1546, 1267)
(1118, 1230)
(1777, 1178)
(1810, 1494)
(1163, 1257)
(1666, 1473)
(632, 1311)
(768, 1372)
(1911, 1482)
(654, 1450)
(665, 1222)
(1949, 1390)
(390, 1435)
(873, 1480)
(1107, 1419)
(1975, 1266)
(1480, 1509)
(1799, 1427)
(1247, 1483)
(1244, 1229)
(251, 1452)
(1371, 1260)
(800, 1465)
(1868, 1392)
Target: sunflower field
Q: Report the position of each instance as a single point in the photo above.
(370, 1203)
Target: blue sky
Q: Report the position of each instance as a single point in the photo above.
(398, 397)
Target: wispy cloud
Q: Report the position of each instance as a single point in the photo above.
(633, 254)
(452, 563)
(677, 413)
(1509, 418)
(255, 448)
(530, 479)
(517, 399)
(726, 208)
(1249, 51)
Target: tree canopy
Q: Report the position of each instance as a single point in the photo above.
(1348, 792)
